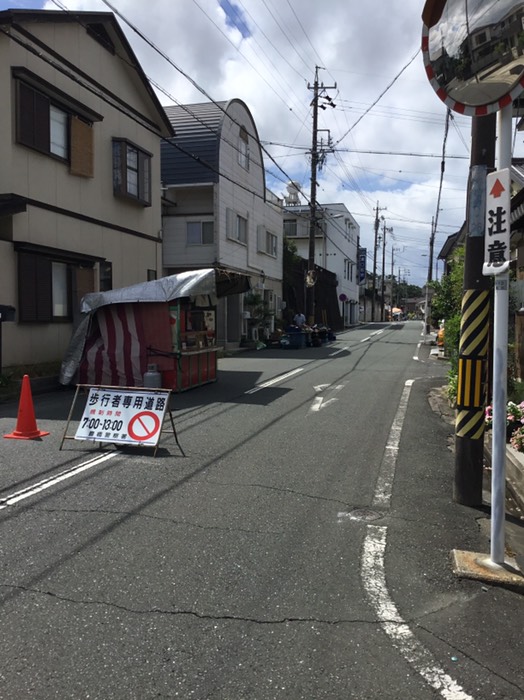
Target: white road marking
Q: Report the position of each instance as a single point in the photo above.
(320, 402)
(364, 340)
(374, 581)
(317, 403)
(337, 352)
(416, 357)
(53, 480)
(276, 380)
(386, 473)
(373, 574)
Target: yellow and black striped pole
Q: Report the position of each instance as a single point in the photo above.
(472, 366)
(474, 326)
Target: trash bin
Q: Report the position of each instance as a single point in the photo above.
(293, 340)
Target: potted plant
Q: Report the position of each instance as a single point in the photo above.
(514, 418)
(517, 439)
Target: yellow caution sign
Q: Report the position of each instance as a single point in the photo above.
(471, 382)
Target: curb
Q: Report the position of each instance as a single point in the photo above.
(39, 385)
(514, 472)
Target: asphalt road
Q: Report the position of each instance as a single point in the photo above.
(299, 550)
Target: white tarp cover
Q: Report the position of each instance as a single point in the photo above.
(193, 283)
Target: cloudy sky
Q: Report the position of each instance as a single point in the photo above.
(387, 127)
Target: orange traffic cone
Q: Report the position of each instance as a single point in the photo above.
(26, 428)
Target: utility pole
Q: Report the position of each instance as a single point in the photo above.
(474, 324)
(318, 91)
(427, 305)
(375, 246)
(383, 288)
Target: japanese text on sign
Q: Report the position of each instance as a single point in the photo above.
(497, 237)
(124, 416)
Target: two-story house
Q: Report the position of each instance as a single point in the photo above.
(335, 246)
(80, 199)
(217, 210)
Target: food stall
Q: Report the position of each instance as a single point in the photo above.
(167, 324)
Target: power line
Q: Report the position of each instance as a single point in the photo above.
(368, 152)
(380, 96)
(290, 89)
(191, 80)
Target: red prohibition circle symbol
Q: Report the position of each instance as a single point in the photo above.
(143, 426)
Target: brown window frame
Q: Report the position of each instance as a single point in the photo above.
(122, 169)
(33, 129)
(35, 281)
(35, 289)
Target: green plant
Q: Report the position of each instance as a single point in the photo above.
(452, 387)
(452, 340)
(5, 380)
(258, 308)
(41, 369)
(517, 392)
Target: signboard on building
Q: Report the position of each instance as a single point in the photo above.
(362, 257)
(123, 416)
(498, 223)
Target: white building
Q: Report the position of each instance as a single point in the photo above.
(336, 246)
(217, 210)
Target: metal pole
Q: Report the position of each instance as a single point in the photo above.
(427, 314)
(500, 365)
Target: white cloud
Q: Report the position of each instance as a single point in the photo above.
(362, 47)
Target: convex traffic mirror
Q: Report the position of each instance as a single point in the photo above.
(474, 52)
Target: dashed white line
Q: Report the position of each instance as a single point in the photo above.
(364, 340)
(337, 352)
(386, 474)
(276, 380)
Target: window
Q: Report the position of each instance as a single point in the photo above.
(200, 232)
(243, 148)
(48, 126)
(60, 290)
(241, 229)
(267, 241)
(105, 276)
(131, 172)
(44, 288)
(290, 227)
(58, 131)
(51, 282)
(237, 226)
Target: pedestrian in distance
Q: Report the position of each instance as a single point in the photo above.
(299, 319)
